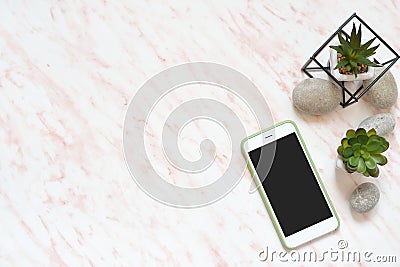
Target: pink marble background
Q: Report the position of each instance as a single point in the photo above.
(67, 73)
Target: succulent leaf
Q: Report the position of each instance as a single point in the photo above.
(385, 144)
(373, 145)
(365, 155)
(371, 132)
(379, 159)
(337, 48)
(345, 142)
(353, 161)
(361, 167)
(370, 163)
(362, 139)
(374, 172)
(366, 61)
(379, 150)
(341, 64)
(367, 44)
(356, 146)
(349, 168)
(374, 137)
(368, 52)
(353, 37)
(347, 152)
(342, 40)
(353, 52)
(350, 133)
(360, 131)
(352, 141)
(358, 36)
(355, 71)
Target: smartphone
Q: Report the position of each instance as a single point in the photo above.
(289, 184)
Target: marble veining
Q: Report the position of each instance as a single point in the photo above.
(68, 70)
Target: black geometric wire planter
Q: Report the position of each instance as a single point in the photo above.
(348, 97)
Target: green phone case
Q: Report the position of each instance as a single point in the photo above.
(261, 189)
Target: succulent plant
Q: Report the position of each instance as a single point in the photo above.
(354, 54)
(361, 151)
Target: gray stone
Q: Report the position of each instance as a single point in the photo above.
(316, 96)
(383, 123)
(383, 94)
(364, 197)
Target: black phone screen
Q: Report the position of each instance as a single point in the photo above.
(291, 187)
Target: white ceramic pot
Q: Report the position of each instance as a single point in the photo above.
(340, 164)
(344, 77)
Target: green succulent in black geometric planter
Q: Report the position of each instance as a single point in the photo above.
(361, 152)
(350, 59)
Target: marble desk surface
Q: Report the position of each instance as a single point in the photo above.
(68, 70)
